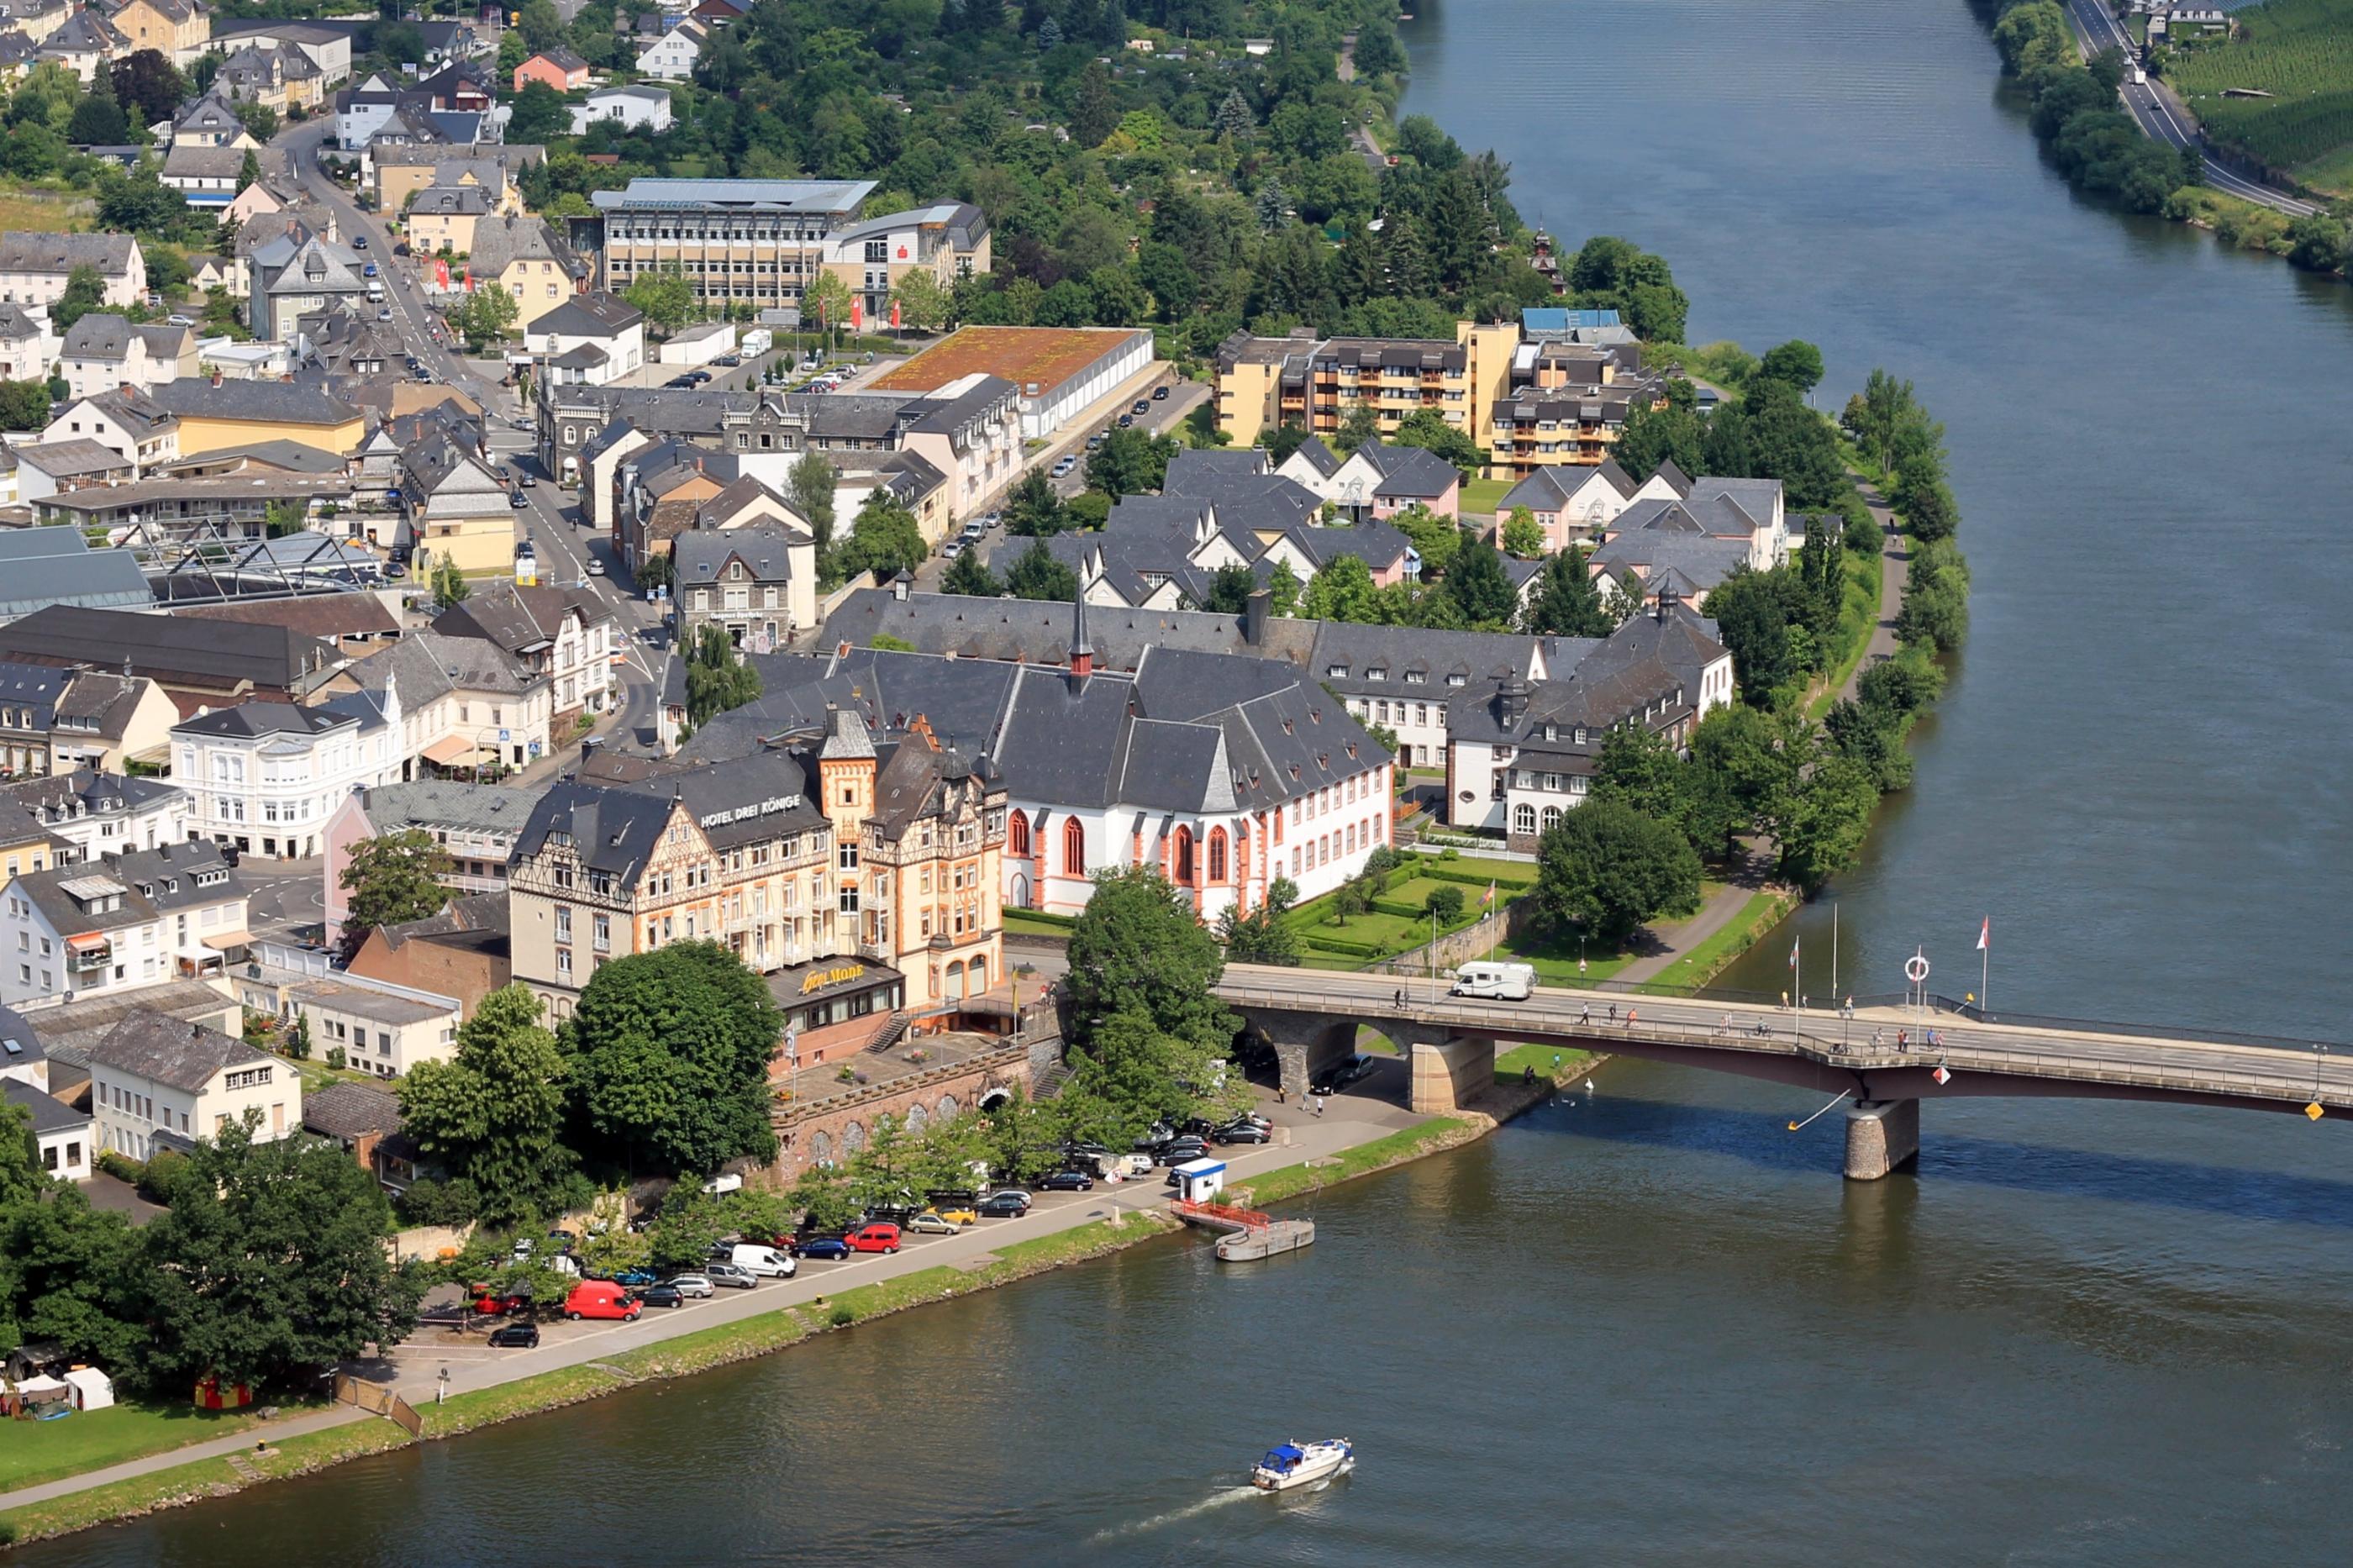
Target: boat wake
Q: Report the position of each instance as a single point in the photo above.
(1159, 1520)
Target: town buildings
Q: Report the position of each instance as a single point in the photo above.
(139, 917)
(1060, 371)
(631, 108)
(56, 719)
(159, 1083)
(87, 813)
(757, 582)
(200, 665)
(476, 824)
(760, 241)
(267, 777)
(566, 637)
(1316, 384)
(464, 951)
(589, 340)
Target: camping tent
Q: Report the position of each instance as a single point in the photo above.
(92, 1389)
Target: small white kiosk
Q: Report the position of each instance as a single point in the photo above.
(1200, 1181)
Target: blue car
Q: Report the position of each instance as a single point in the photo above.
(636, 1278)
(825, 1247)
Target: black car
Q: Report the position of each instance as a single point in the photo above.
(1067, 1182)
(1125, 420)
(662, 1295)
(1081, 1150)
(1159, 394)
(1243, 1133)
(1182, 1150)
(1002, 1205)
(516, 1336)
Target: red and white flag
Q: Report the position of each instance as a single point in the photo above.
(1941, 1076)
(1985, 934)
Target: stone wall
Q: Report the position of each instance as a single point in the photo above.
(1472, 941)
(833, 1129)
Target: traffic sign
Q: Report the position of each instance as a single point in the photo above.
(1941, 1076)
(2314, 1110)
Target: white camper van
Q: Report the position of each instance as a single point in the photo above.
(1504, 982)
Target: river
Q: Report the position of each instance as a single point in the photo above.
(1655, 1326)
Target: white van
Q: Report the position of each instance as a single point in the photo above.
(764, 1262)
(1505, 982)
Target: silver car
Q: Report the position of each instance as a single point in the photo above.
(696, 1285)
(730, 1274)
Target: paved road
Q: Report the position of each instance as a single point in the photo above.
(1367, 1110)
(1815, 1046)
(2162, 116)
(550, 521)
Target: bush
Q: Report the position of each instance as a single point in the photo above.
(435, 1202)
(842, 1315)
(162, 1170)
(1446, 903)
(335, 1057)
(121, 1167)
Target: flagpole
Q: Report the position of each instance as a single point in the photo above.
(1834, 953)
(1985, 965)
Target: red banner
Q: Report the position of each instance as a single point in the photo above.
(470, 279)
(894, 313)
(857, 315)
(442, 274)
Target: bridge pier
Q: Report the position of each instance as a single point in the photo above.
(1305, 1044)
(1448, 1076)
(1881, 1137)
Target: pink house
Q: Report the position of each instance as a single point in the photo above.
(559, 68)
(1381, 481)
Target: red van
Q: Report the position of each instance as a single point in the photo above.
(601, 1298)
(880, 1237)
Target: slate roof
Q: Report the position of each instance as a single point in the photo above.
(35, 251)
(72, 457)
(425, 665)
(270, 401)
(1034, 631)
(445, 805)
(1320, 457)
(101, 335)
(590, 316)
(519, 620)
(612, 829)
(501, 241)
(1551, 488)
(100, 704)
(348, 1110)
(20, 1043)
(1190, 463)
(253, 721)
(1699, 560)
(33, 687)
(63, 797)
(476, 924)
(50, 1114)
(164, 1050)
(1413, 471)
(176, 876)
(195, 161)
(700, 554)
(561, 58)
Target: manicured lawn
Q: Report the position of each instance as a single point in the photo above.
(1760, 914)
(1555, 959)
(1028, 922)
(1480, 498)
(1550, 1061)
(32, 1452)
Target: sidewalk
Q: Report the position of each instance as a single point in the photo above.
(1895, 564)
(415, 1367)
(1718, 913)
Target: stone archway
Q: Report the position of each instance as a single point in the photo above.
(947, 1110)
(821, 1149)
(917, 1119)
(994, 1096)
(853, 1139)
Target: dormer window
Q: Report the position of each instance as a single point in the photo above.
(1457, 679)
(1379, 672)
(1335, 672)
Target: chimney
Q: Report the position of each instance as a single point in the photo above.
(1083, 652)
(1256, 611)
(217, 378)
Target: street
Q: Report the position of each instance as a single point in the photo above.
(549, 521)
(2153, 109)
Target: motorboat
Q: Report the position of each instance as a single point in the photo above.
(1295, 1463)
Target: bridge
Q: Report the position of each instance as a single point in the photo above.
(1888, 1056)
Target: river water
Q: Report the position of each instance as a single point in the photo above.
(1655, 1326)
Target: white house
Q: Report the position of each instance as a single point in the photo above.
(63, 1135)
(590, 339)
(129, 424)
(635, 108)
(672, 57)
(102, 814)
(205, 176)
(27, 347)
(1571, 503)
(266, 777)
(142, 918)
(380, 1029)
(158, 1083)
(566, 637)
(34, 266)
(103, 350)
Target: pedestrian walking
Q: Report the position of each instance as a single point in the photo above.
(1613, 1012)
(1629, 1018)
(1528, 1074)
(1585, 1013)
(1319, 1104)
(1400, 997)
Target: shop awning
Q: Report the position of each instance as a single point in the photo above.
(450, 752)
(88, 941)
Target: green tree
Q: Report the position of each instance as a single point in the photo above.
(1749, 609)
(719, 680)
(827, 299)
(1652, 438)
(1130, 462)
(1230, 588)
(1234, 119)
(393, 877)
(541, 23)
(493, 1115)
(450, 586)
(24, 405)
(270, 1265)
(808, 490)
(1283, 590)
(67, 1269)
(1342, 591)
(1262, 936)
(539, 114)
(924, 305)
(669, 1054)
(1377, 52)
(1611, 869)
(1796, 362)
(148, 86)
(1361, 424)
(1523, 536)
(1480, 587)
(487, 316)
(1437, 540)
(85, 291)
(884, 538)
(1445, 901)
(1036, 575)
(967, 575)
(1093, 114)
(665, 296)
(1638, 768)
(1032, 509)
(1139, 945)
(1566, 603)
(97, 122)
(1429, 429)
(1822, 825)
(1019, 1136)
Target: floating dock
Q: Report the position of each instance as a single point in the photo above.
(1249, 1234)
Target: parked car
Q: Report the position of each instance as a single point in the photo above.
(601, 1298)
(727, 1274)
(516, 1336)
(1183, 1149)
(1159, 394)
(975, 528)
(456, 1315)
(1066, 1182)
(383, 314)
(729, 361)
(1243, 1133)
(1097, 439)
(930, 1222)
(1004, 1205)
(1127, 420)
(880, 1236)
(1142, 407)
(596, 567)
(951, 549)
(695, 1285)
(832, 1247)
(635, 1278)
(501, 1303)
(1342, 1076)
(661, 1296)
